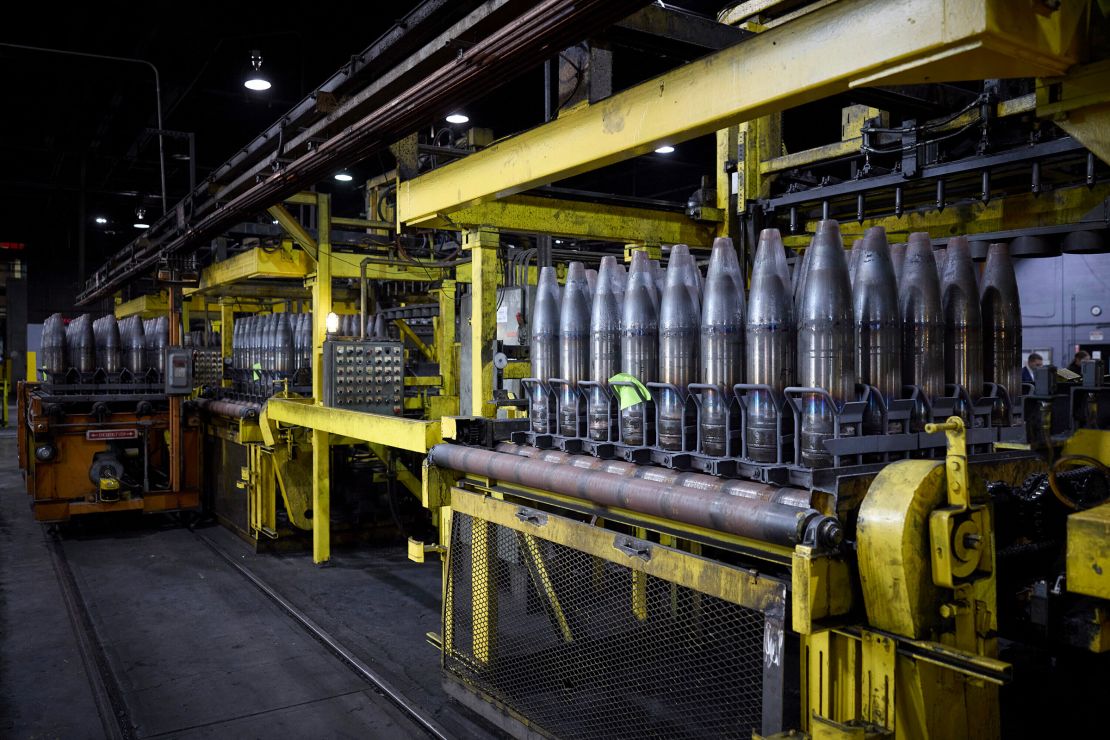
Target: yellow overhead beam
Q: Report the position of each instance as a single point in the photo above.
(582, 220)
(1024, 211)
(252, 264)
(817, 55)
(302, 199)
(151, 306)
(345, 265)
(409, 334)
(392, 431)
(294, 228)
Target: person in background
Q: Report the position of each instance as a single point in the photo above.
(1030, 369)
(1076, 365)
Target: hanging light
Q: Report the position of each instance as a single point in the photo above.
(344, 176)
(140, 220)
(101, 220)
(255, 79)
(665, 149)
(458, 118)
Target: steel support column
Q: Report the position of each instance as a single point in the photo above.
(227, 326)
(482, 245)
(446, 344)
(321, 441)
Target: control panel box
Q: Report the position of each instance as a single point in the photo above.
(365, 375)
(179, 371)
(208, 367)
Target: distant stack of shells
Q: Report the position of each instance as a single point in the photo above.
(885, 320)
(108, 348)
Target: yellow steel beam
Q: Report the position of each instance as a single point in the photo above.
(254, 264)
(392, 431)
(294, 228)
(151, 306)
(815, 56)
(582, 220)
(409, 334)
(485, 271)
(424, 381)
(1080, 104)
(1024, 211)
(302, 199)
(404, 475)
(360, 223)
(321, 444)
(447, 348)
(346, 266)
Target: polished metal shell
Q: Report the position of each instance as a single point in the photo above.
(574, 347)
(898, 258)
(545, 344)
(283, 345)
(1001, 309)
(963, 320)
(605, 344)
(919, 303)
(53, 353)
(679, 317)
(722, 344)
(826, 342)
(769, 340)
(639, 340)
(878, 325)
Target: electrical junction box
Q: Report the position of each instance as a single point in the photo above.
(179, 371)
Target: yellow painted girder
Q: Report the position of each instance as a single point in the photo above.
(151, 306)
(817, 55)
(254, 264)
(582, 220)
(345, 265)
(1014, 212)
(392, 431)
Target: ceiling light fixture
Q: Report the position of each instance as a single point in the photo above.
(458, 118)
(665, 149)
(344, 176)
(101, 220)
(140, 221)
(255, 79)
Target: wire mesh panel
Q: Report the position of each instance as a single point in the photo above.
(582, 646)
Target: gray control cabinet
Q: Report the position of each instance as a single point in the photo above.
(179, 371)
(365, 375)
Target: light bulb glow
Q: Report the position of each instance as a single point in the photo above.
(458, 118)
(331, 323)
(140, 225)
(343, 177)
(665, 149)
(101, 220)
(257, 83)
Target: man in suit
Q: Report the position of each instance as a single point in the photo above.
(1031, 365)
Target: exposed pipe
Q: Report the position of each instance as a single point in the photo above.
(516, 46)
(755, 519)
(746, 489)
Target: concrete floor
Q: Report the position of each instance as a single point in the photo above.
(195, 649)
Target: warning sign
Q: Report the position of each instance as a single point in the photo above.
(94, 435)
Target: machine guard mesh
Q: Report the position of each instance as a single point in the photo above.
(584, 647)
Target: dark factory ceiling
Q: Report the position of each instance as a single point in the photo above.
(74, 123)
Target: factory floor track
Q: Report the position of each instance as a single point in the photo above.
(192, 648)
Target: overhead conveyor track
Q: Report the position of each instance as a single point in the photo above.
(523, 43)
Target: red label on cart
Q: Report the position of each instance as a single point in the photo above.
(100, 434)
